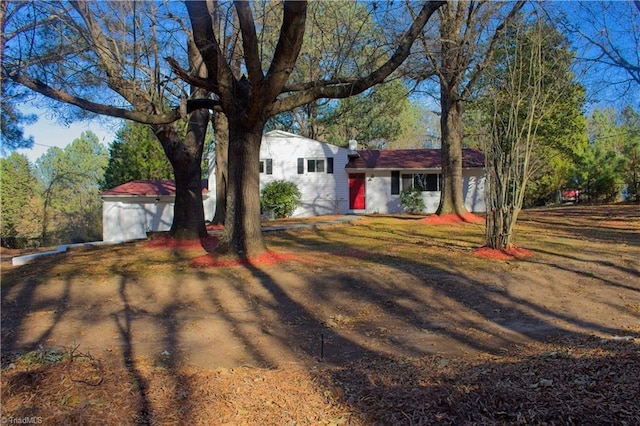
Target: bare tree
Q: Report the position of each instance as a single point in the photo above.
(109, 60)
(528, 86)
(606, 35)
(468, 32)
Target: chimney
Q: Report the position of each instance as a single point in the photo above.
(353, 150)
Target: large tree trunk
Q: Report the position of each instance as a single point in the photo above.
(185, 157)
(451, 198)
(242, 231)
(221, 129)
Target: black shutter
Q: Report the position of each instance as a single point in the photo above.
(300, 166)
(269, 162)
(395, 182)
(330, 165)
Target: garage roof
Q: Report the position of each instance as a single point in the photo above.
(142, 188)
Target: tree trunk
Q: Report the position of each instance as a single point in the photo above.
(221, 130)
(185, 157)
(242, 230)
(451, 197)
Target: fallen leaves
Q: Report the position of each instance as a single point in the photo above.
(579, 381)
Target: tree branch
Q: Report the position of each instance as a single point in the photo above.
(249, 42)
(288, 48)
(492, 45)
(219, 73)
(58, 95)
(343, 90)
(189, 78)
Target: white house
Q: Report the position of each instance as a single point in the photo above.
(376, 178)
(317, 168)
(331, 179)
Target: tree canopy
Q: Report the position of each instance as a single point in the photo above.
(112, 57)
(19, 192)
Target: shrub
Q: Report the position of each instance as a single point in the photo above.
(281, 196)
(411, 200)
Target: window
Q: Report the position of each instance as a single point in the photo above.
(426, 182)
(395, 183)
(315, 166)
(266, 166)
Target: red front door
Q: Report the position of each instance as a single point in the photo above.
(356, 191)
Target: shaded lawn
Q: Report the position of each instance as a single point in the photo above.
(417, 330)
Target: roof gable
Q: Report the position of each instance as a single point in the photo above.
(142, 188)
(411, 159)
(292, 140)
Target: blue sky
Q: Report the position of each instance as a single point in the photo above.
(48, 133)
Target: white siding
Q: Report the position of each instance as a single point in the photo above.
(124, 220)
(473, 191)
(322, 193)
(378, 197)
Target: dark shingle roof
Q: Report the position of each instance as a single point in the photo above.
(412, 159)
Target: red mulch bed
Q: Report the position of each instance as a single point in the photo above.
(267, 258)
(210, 260)
(165, 241)
(508, 254)
(451, 219)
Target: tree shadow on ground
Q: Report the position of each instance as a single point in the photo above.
(113, 314)
(367, 307)
(580, 381)
(608, 224)
(477, 315)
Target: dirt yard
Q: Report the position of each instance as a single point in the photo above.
(385, 320)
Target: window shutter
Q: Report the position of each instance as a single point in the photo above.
(269, 167)
(330, 165)
(300, 166)
(395, 182)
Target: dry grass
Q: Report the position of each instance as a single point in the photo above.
(579, 379)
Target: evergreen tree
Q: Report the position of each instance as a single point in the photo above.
(631, 152)
(373, 115)
(19, 195)
(136, 154)
(611, 161)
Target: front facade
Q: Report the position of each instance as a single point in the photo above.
(376, 178)
(317, 168)
(336, 180)
(331, 179)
